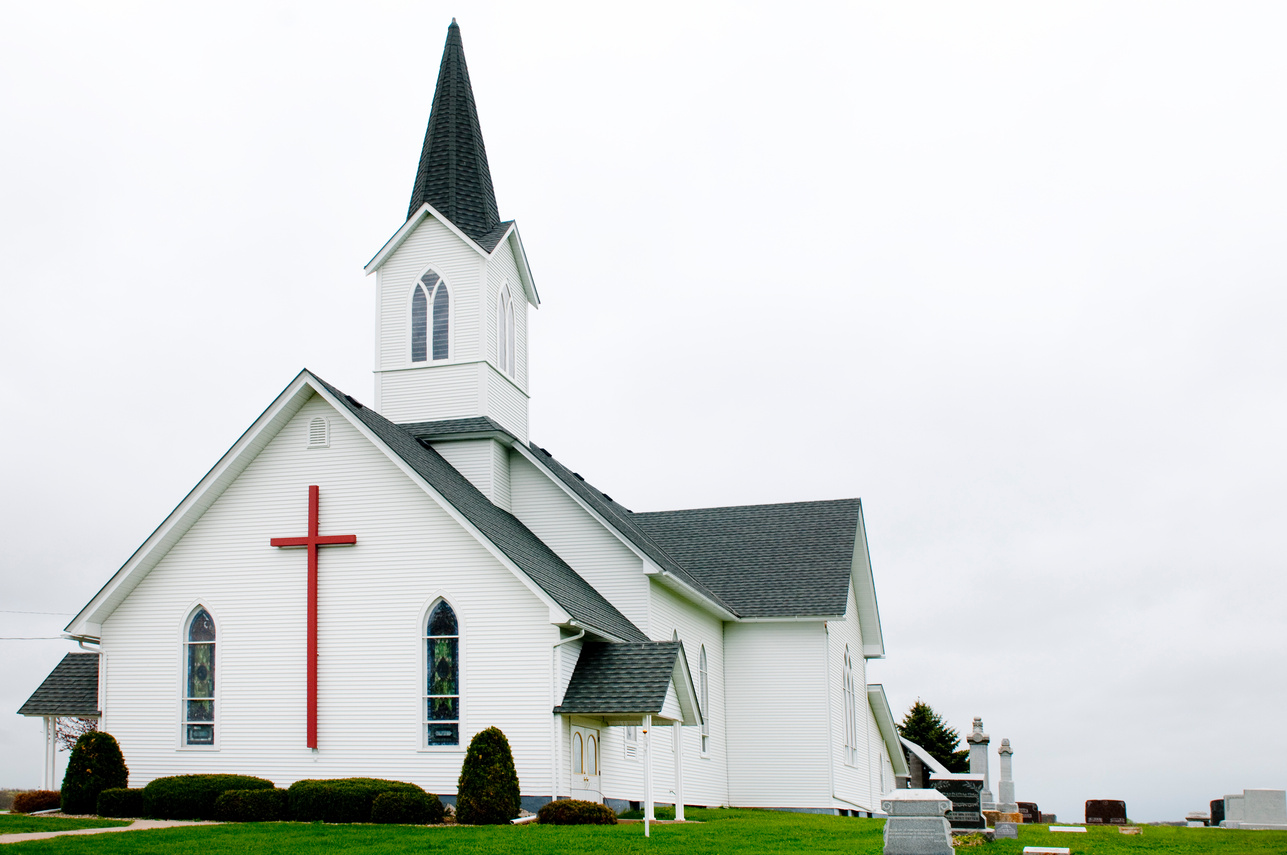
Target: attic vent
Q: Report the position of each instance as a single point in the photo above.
(319, 434)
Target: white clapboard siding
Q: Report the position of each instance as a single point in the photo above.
(776, 705)
(705, 776)
(431, 245)
(485, 462)
(372, 604)
(506, 403)
(580, 540)
(430, 394)
(502, 270)
(857, 784)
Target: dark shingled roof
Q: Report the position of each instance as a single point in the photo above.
(766, 560)
(620, 678)
(452, 428)
(626, 522)
(550, 572)
(70, 690)
(453, 175)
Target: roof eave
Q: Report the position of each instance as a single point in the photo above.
(888, 730)
(400, 236)
(515, 241)
(873, 637)
(670, 580)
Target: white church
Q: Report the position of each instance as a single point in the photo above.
(357, 588)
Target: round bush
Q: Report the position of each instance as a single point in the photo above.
(120, 802)
(488, 790)
(193, 796)
(576, 812)
(34, 800)
(406, 808)
(341, 799)
(251, 805)
(96, 764)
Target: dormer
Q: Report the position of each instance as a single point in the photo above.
(453, 284)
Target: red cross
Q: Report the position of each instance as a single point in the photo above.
(312, 542)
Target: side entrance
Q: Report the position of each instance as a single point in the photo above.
(585, 764)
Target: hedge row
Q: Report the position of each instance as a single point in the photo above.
(251, 805)
(120, 802)
(576, 812)
(34, 800)
(193, 796)
(353, 800)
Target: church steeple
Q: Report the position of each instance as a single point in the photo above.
(453, 175)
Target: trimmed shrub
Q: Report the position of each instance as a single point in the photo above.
(34, 800)
(96, 764)
(488, 789)
(576, 812)
(340, 799)
(406, 808)
(120, 802)
(6, 799)
(193, 796)
(251, 805)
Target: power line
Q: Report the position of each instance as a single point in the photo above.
(16, 612)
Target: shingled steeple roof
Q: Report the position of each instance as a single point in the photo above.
(453, 176)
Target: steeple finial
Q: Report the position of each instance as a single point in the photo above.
(453, 176)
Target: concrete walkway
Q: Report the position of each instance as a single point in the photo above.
(136, 825)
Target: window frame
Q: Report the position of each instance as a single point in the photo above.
(182, 730)
(422, 690)
(418, 285)
(704, 698)
(506, 333)
(849, 689)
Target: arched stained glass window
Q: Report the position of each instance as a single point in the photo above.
(703, 689)
(199, 685)
(442, 678)
(505, 331)
(430, 291)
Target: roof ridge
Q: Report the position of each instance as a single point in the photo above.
(777, 505)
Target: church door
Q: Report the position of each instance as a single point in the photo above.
(585, 764)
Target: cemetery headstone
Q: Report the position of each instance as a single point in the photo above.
(1047, 818)
(1105, 812)
(1197, 819)
(1007, 829)
(1029, 811)
(978, 744)
(1217, 811)
(1262, 809)
(966, 794)
(1005, 788)
(916, 824)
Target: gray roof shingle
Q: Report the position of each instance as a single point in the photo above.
(70, 690)
(550, 572)
(620, 678)
(453, 175)
(784, 560)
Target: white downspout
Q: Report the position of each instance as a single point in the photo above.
(648, 817)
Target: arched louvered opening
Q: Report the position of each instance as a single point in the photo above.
(430, 318)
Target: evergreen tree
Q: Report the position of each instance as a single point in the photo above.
(95, 765)
(928, 730)
(488, 790)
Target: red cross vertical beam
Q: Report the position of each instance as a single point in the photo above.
(312, 542)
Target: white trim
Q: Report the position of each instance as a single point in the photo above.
(422, 675)
(873, 639)
(420, 366)
(191, 613)
(888, 729)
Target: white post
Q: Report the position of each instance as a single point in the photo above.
(647, 746)
(51, 731)
(676, 728)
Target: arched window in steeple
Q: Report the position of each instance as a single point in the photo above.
(430, 318)
(198, 687)
(505, 331)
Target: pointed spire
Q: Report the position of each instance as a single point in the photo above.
(453, 176)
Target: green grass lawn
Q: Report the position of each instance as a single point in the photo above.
(18, 823)
(721, 832)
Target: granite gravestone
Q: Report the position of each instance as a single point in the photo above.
(916, 825)
(1217, 811)
(1030, 812)
(966, 795)
(1260, 809)
(977, 741)
(1105, 812)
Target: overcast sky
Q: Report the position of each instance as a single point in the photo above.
(1011, 272)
